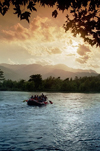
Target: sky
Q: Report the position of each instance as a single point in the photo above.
(44, 41)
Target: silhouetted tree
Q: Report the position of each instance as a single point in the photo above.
(30, 86)
(1, 75)
(84, 18)
(82, 84)
(49, 83)
(37, 78)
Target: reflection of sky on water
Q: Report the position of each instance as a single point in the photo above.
(78, 119)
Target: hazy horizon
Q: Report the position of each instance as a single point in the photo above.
(60, 64)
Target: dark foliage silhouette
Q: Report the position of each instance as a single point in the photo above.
(84, 17)
(52, 84)
(1, 75)
(37, 79)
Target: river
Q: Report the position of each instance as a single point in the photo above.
(71, 123)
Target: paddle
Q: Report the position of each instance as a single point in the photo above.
(25, 100)
(50, 102)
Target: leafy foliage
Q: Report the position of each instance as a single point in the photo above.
(52, 84)
(84, 17)
(1, 75)
(25, 15)
(37, 79)
(54, 13)
(31, 6)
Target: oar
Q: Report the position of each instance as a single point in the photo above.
(25, 100)
(50, 102)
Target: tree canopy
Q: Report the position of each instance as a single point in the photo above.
(37, 79)
(84, 17)
(53, 84)
(1, 75)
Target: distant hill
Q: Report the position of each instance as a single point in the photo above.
(23, 71)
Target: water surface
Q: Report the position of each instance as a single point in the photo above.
(72, 122)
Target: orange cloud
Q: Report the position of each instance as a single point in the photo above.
(19, 28)
(84, 54)
(17, 32)
(94, 66)
(82, 50)
(55, 51)
(41, 61)
(83, 59)
(71, 54)
(39, 28)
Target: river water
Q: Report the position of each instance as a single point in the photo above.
(71, 123)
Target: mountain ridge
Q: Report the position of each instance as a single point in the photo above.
(24, 71)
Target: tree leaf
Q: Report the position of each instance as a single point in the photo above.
(25, 15)
(31, 6)
(6, 3)
(4, 11)
(54, 13)
(17, 10)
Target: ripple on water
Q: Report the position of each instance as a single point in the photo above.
(70, 123)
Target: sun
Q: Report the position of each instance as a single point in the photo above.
(72, 47)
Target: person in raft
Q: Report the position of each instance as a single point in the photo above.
(32, 97)
(40, 98)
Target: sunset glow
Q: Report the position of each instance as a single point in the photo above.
(44, 41)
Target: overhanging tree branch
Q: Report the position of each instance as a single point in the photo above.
(84, 18)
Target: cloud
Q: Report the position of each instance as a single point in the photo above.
(84, 54)
(39, 29)
(83, 59)
(10, 61)
(19, 28)
(41, 37)
(71, 54)
(17, 32)
(55, 51)
(94, 65)
(83, 50)
(39, 23)
(41, 61)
